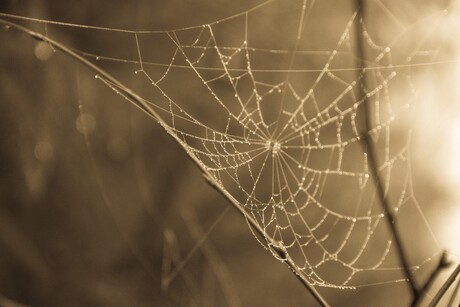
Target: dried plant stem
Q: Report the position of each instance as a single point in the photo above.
(454, 295)
(373, 159)
(390, 216)
(417, 293)
(442, 263)
(140, 103)
(445, 287)
(281, 253)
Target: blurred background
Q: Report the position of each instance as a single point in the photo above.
(100, 207)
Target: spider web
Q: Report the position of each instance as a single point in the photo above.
(280, 128)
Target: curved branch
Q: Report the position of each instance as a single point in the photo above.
(140, 103)
(445, 287)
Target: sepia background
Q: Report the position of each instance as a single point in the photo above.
(99, 206)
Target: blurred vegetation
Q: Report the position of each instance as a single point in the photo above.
(95, 217)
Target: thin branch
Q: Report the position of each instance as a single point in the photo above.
(140, 103)
(373, 159)
(442, 264)
(445, 286)
(454, 295)
(373, 166)
(280, 252)
(390, 216)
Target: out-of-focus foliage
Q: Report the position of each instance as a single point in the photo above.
(95, 217)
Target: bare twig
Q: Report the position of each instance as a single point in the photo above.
(454, 295)
(389, 214)
(373, 159)
(281, 253)
(373, 166)
(442, 263)
(140, 103)
(445, 287)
